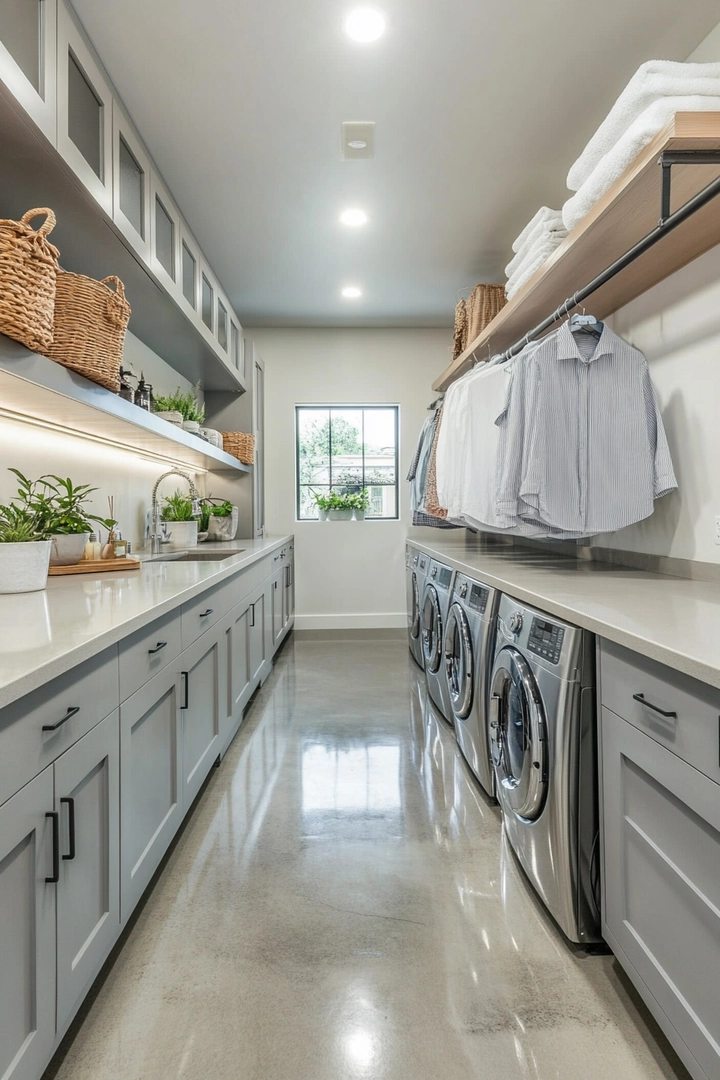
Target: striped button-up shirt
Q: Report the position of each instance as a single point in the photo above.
(583, 447)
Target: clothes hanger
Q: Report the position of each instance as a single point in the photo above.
(585, 324)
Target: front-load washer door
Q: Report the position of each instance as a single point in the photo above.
(518, 736)
(458, 654)
(415, 614)
(432, 630)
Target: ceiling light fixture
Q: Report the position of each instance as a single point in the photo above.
(351, 292)
(354, 218)
(365, 24)
(357, 144)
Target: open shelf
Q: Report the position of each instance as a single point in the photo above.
(35, 388)
(628, 212)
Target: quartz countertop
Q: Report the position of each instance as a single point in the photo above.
(44, 634)
(675, 621)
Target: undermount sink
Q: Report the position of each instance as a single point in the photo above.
(197, 556)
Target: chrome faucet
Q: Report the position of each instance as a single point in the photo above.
(155, 538)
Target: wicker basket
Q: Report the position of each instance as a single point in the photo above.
(28, 275)
(460, 332)
(240, 445)
(90, 325)
(482, 305)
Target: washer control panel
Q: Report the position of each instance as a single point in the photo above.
(478, 598)
(443, 576)
(546, 640)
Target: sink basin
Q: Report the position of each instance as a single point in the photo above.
(197, 556)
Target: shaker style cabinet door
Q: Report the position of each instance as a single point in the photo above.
(290, 587)
(87, 799)
(150, 782)
(277, 603)
(260, 635)
(166, 254)
(27, 929)
(131, 183)
(28, 52)
(200, 709)
(235, 686)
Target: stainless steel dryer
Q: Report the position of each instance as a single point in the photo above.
(436, 601)
(544, 751)
(469, 641)
(416, 563)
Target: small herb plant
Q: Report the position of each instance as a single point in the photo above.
(56, 505)
(17, 526)
(215, 508)
(177, 507)
(358, 501)
(187, 405)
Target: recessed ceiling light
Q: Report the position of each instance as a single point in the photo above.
(365, 24)
(357, 144)
(354, 218)
(351, 292)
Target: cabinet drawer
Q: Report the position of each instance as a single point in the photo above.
(676, 711)
(207, 609)
(148, 651)
(71, 705)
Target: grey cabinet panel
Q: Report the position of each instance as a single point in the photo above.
(145, 653)
(290, 586)
(235, 685)
(260, 635)
(27, 931)
(28, 52)
(277, 603)
(200, 712)
(88, 893)
(150, 782)
(662, 884)
(202, 613)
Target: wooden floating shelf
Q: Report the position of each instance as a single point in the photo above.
(35, 388)
(626, 213)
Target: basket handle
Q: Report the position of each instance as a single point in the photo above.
(117, 305)
(119, 287)
(47, 226)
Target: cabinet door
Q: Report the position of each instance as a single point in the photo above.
(28, 52)
(87, 798)
(27, 931)
(200, 708)
(166, 257)
(277, 603)
(290, 588)
(150, 782)
(235, 686)
(131, 183)
(260, 635)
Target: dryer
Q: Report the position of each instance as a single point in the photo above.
(436, 601)
(416, 564)
(468, 645)
(543, 745)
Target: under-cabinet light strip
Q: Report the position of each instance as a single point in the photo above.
(49, 425)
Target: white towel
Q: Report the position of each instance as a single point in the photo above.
(545, 219)
(611, 167)
(528, 268)
(539, 238)
(652, 81)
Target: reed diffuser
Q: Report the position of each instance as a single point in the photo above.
(108, 552)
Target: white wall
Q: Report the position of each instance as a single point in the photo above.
(349, 574)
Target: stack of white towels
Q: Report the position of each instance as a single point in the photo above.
(533, 247)
(657, 90)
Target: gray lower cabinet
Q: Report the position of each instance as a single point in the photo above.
(235, 685)
(27, 930)
(87, 800)
(261, 649)
(150, 781)
(278, 604)
(200, 707)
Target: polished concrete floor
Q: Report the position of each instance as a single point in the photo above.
(342, 904)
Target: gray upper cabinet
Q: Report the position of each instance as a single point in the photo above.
(207, 298)
(84, 111)
(237, 348)
(27, 930)
(28, 51)
(189, 273)
(131, 183)
(167, 256)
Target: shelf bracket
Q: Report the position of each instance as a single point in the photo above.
(680, 157)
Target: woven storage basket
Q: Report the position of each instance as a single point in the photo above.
(28, 275)
(482, 305)
(460, 332)
(240, 445)
(90, 325)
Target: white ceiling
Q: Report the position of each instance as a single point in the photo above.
(480, 109)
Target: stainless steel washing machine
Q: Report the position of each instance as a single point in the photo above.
(416, 563)
(543, 745)
(436, 601)
(469, 641)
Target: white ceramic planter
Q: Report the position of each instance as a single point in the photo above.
(223, 528)
(68, 549)
(24, 567)
(340, 515)
(172, 417)
(184, 533)
(192, 426)
(322, 514)
(360, 515)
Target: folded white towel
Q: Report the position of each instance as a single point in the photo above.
(545, 218)
(635, 139)
(652, 81)
(538, 240)
(528, 268)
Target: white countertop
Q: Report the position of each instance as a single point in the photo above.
(673, 620)
(44, 634)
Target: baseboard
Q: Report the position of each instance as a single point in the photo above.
(379, 621)
(370, 633)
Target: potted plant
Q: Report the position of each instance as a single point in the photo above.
(219, 519)
(24, 551)
(178, 509)
(340, 507)
(58, 506)
(187, 406)
(361, 504)
(323, 504)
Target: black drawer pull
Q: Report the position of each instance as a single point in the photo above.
(252, 608)
(204, 614)
(56, 847)
(655, 708)
(71, 826)
(186, 695)
(160, 645)
(71, 712)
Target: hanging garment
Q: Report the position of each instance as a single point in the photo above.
(460, 335)
(431, 504)
(418, 477)
(583, 448)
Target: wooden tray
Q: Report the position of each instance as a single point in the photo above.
(95, 566)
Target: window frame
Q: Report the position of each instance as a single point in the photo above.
(337, 407)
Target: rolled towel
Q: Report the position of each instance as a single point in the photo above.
(652, 81)
(545, 219)
(530, 266)
(530, 250)
(639, 135)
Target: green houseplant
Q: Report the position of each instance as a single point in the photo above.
(360, 504)
(219, 519)
(342, 507)
(178, 509)
(59, 508)
(188, 405)
(24, 551)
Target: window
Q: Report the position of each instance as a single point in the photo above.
(342, 449)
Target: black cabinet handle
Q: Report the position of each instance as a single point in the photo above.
(655, 708)
(252, 608)
(204, 614)
(56, 847)
(71, 826)
(71, 712)
(186, 694)
(160, 645)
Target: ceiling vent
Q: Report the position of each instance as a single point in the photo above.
(357, 140)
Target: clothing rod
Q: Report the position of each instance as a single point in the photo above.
(697, 202)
